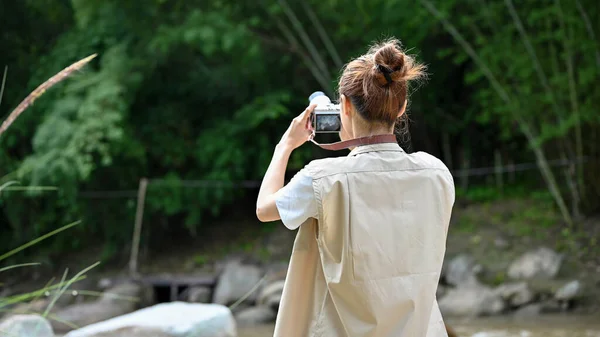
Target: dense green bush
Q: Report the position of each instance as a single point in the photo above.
(202, 90)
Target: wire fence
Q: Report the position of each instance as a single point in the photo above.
(491, 175)
(254, 184)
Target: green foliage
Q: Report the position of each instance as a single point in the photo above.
(194, 90)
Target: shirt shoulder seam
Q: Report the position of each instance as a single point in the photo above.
(380, 171)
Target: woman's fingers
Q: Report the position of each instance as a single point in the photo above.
(300, 129)
(309, 110)
(305, 116)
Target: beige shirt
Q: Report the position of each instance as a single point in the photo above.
(368, 262)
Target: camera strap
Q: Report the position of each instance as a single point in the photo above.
(369, 140)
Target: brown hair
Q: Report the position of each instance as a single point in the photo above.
(377, 83)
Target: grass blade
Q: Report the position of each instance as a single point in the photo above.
(115, 296)
(241, 299)
(39, 91)
(40, 295)
(31, 188)
(62, 291)
(3, 83)
(67, 323)
(59, 293)
(41, 238)
(24, 297)
(7, 184)
(19, 266)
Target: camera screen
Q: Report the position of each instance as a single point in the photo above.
(327, 123)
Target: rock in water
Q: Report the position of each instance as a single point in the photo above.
(569, 291)
(175, 319)
(472, 301)
(462, 270)
(26, 326)
(235, 281)
(255, 315)
(541, 263)
(516, 294)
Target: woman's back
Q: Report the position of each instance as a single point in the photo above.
(395, 207)
(380, 238)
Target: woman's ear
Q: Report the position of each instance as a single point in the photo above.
(403, 109)
(346, 105)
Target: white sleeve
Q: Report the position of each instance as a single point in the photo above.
(296, 200)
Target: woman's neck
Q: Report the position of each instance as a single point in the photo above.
(359, 131)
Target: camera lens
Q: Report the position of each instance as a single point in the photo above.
(319, 98)
(315, 94)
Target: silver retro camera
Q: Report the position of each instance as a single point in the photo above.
(326, 115)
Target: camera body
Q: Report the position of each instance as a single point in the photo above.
(326, 115)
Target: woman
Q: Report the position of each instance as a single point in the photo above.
(372, 225)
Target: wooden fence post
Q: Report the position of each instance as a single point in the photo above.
(137, 229)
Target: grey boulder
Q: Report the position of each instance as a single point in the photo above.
(175, 319)
(236, 281)
(515, 294)
(26, 326)
(542, 263)
(462, 270)
(475, 300)
(569, 291)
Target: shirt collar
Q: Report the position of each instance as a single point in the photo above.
(375, 148)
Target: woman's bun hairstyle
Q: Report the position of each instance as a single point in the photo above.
(388, 61)
(377, 82)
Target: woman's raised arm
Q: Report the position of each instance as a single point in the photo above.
(297, 134)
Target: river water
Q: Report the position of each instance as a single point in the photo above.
(543, 326)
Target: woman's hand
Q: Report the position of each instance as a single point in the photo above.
(299, 131)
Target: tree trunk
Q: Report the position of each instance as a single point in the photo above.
(525, 128)
(567, 37)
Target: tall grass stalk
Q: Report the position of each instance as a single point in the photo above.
(7, 184)
(108, 294)
(31, 188)
(19, 266)
(3, 83)
(41, 238)
(40, 90)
